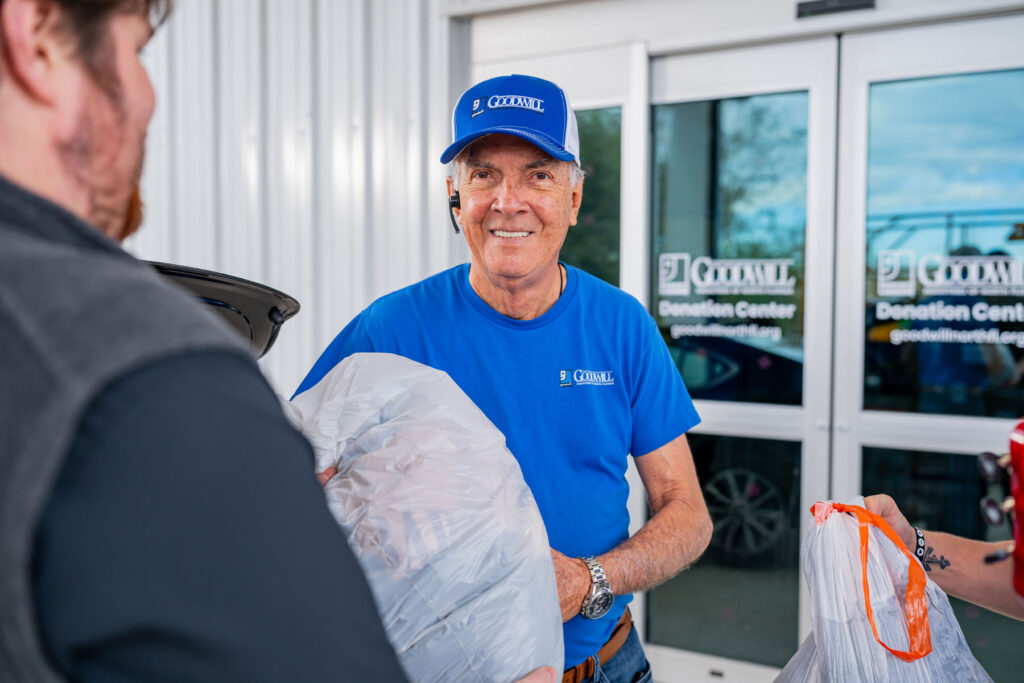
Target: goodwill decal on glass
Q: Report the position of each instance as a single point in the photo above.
(952, 286)
(682, 275)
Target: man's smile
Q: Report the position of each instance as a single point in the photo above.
(509, 233)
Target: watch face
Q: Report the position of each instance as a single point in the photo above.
(600, 605)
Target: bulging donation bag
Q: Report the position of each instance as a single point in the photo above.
(436, 509)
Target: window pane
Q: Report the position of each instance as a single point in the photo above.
(941, 491)
(945, 245)
(740, 599)
(729, 216)
(593, 243)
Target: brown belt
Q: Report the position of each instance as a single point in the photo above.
(585, 669)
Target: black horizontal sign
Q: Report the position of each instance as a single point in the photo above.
(815, 7)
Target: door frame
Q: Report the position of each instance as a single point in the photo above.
(799, 65)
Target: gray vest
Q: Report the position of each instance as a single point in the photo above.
(76, 313)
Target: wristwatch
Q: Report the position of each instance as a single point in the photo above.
(600, 598)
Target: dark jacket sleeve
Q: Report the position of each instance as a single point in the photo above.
(187, 540)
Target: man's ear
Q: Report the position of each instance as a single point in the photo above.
(31, 46)
(451, 191)
(577, 200)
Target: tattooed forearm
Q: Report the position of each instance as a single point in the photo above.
(930, 559)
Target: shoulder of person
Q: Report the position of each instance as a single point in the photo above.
(105, 300)
(430, 291)
(608, 294)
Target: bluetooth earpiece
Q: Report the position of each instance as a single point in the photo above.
(454, 203)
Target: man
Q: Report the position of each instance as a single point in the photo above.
(158, 514)
(955, 563)
(571, 370)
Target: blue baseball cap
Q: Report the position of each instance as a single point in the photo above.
(529, 108)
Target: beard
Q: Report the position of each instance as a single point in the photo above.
(132, 215)
(95, 157)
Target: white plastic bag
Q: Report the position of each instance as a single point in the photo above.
(436, 509)
(926, 643)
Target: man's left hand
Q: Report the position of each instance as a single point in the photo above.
(573, 579)
(545, 674)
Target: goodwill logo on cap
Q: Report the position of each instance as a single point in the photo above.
(530, 108)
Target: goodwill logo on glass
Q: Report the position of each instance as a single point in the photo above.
(679, 275)
(682, 275)
(952, 310)
(996, 275)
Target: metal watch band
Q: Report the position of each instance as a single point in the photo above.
(600, 597)
(597, 575)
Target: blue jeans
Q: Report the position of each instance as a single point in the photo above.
(629, 665)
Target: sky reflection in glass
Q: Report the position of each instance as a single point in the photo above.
(946, 145)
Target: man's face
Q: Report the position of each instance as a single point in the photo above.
(517, 206)
(104, 147)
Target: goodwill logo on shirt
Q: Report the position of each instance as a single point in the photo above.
(603, 378)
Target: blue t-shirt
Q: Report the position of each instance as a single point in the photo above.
(573, 391)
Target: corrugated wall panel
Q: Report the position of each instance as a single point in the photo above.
(293, 145)
(240, 138)
(289, 105)
(381, 138)
(340, 208)
(194, 159)
(415, 101)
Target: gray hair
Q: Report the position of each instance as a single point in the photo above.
(576, 174)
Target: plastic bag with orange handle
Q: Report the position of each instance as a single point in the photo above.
(875, 614)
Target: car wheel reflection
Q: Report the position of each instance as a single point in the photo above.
(747, 511)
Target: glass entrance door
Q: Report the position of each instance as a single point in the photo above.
(741, 287)
(930, 279)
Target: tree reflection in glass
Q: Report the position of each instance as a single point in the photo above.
(593, 243)
(729, 218)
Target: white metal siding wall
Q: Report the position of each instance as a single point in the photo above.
(293, 145)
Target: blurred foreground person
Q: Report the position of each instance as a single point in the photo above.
(957, 564)
(158, 515)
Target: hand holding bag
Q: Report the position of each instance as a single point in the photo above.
(875, 614)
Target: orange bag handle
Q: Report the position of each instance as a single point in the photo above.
(915, 601)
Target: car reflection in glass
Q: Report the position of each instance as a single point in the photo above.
(749, 371)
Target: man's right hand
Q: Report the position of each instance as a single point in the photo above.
(573, 580)
(326, 475)
(886, 508)
(545, 674)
